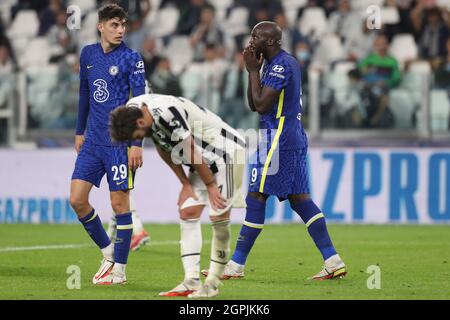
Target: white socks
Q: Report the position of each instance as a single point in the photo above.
(333, 261)
(108, 252)
(137, 223)
(112, 228)
(220, 248)
(191, 246)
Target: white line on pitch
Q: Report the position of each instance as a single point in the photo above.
(77, 246)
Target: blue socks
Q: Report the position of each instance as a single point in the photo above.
(317, 228)
(252, 227)
(123, 238)
(94, 228)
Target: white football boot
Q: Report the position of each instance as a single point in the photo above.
(105, 269)
(183, 289)
(206, 291)
(334, 268)
(232, 271)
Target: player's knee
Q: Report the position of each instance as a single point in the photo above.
(297, 198)
(120, 207)
(223, 217)
(257, 196)
(190, 213)
(79, 204)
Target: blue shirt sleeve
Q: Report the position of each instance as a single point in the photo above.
(137, 75)
(277, 76)
(83, 102)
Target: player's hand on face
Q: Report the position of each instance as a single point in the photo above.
(135, 159)
(79, 140)
(252, 62)
(186, 193)
(215, 198)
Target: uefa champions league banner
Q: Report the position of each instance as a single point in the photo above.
(350, 185)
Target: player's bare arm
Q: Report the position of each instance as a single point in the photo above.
(215, 198)
(135, 158)
(79, 140)
(262, 98)
(186, 190)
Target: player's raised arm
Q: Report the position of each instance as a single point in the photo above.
(261, 98)
(83, 104)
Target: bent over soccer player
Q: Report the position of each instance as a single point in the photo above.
(109, 70)
(276, 96)
(185, 133)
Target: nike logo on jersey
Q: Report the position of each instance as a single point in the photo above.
(89, 67)
(119, 183)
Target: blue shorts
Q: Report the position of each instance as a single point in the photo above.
(94, 161)
(285, 174)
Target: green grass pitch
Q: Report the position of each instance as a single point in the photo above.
(414, 262)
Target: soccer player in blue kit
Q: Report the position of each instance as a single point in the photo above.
(276, 96)
(109, 71)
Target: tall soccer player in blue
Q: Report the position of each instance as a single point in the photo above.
(109, 71)
(276, 96)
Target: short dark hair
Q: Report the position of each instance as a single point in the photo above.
(110, 11)
(123, 122)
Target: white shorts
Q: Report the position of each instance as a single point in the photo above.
(229, 181)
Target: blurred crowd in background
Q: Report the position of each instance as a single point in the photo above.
(371, 74)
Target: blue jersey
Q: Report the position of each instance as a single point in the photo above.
(283, 121)
(111, 78)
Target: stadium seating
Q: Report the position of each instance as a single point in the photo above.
(88, 33)
(236, 23)
(291, 8)
(439, 110)
(179, 52)
(403, 48)
(166, 22)
(389, 15)
(329, 49)
(5, 10)
(38, 53)
(402, 106)
(84, 5)
(313, 22)
(25, 25)
(364, 4)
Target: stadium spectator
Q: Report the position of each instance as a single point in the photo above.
(6, 75)
(48, 17)
(206, 31)
(442, 74)
(432, 31)
(404, 25)
(342, 21)
(350, 112)
(150, 55)
(190, 12)
(290, 36)
(202, 82)
(36, 5)
(163, 81)
(61, 38)
(380, 73)
(136, 32)
(359, 41)
(66, 93)
(259, 10)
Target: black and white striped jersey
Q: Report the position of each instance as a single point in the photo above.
(176, 118)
